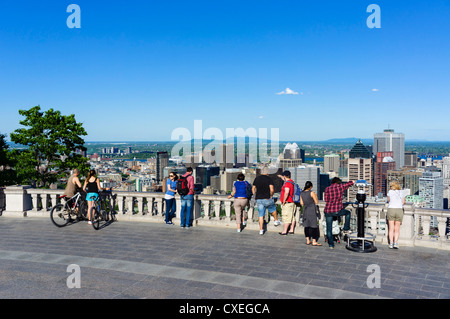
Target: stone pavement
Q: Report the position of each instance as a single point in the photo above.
(156, 261)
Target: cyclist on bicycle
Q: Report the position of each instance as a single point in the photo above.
(92, 187)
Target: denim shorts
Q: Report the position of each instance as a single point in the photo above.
(263, 204)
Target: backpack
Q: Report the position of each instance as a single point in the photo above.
(182, 185)
(297, 192)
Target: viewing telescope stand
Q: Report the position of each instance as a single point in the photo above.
(359, 241)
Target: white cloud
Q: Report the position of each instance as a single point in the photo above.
(375, 90)
(261, 117)
(288, 92)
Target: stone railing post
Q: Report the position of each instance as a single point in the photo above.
(18, 201)
(227, 211)
(206, 209)
(426, 221)
(407, 228)
(442, 225)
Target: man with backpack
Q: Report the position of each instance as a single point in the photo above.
(185, 187)
(288, 206)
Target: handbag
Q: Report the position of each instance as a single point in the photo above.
(318, 212)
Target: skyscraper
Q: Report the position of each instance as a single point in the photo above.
(331, 163)
(431, 188)
(359, 150)
(359, 168)
(388, 141)
(384, 163)
(162, 160)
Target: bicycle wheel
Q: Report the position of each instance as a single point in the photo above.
(60, 215)
(96, 217)
(82, 211)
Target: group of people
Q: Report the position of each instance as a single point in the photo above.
(263, 190)
(186, 191)
(91, 188)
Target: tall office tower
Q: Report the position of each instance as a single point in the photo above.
(225, 157)
(359, 150)
(331, 163)
(431, 188)
(324, 183)
(292, 151)
(446, 170)
(412, 181)
(388, 141)
(359, 168)
(203, 174)
(384, 163)
(411, 159)
(286, 163)
(302, 174)
(162, 160)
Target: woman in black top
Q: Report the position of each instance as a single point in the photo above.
(91, 187)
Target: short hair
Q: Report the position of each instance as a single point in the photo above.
(240, 177)
(76, 171)
(265, 171)
(395, 185)
(189, 169)
(336, 180)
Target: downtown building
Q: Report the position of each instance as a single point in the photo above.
(389, 141)
(360, 166)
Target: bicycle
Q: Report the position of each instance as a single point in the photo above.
(74, 209)
(102, 210)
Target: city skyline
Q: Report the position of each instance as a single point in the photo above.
(315, 71)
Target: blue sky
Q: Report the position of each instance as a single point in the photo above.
(136, 70)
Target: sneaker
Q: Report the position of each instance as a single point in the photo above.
(89, 223)
(238, 230)
(395, 245)
(169, 223)
(276, 223)
(261, 232)
(391, 246)
(332, 247)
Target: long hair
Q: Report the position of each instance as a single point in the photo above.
(308, 185)
(175, 176)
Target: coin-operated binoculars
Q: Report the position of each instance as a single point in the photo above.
(359, 241)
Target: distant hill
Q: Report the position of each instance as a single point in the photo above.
(349, 140)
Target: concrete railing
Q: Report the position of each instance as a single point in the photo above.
(218, 211)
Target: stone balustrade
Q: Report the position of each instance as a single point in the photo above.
(218, 211)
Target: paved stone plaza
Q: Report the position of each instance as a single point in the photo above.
(148, 260)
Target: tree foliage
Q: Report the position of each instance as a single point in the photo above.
(51, 142)
(7, 174)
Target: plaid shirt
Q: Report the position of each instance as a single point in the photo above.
(333, 197)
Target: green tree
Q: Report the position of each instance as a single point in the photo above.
(7, 174)
(51, 141)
